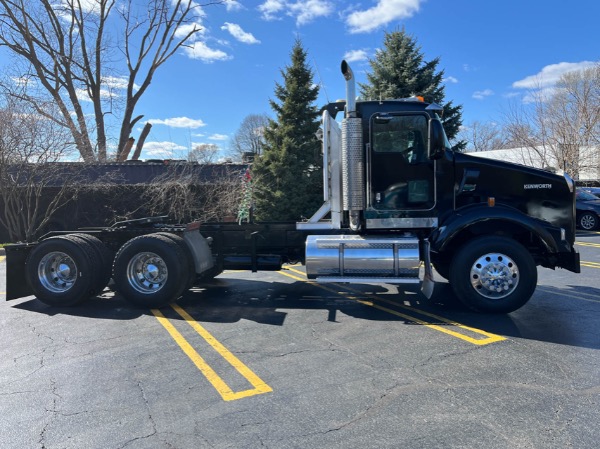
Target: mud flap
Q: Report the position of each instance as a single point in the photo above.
(16, 278)
(428, 282)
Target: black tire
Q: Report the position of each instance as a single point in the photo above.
(150, 270)
(493, 274)
(191, 278)
(588, 221)
(103, 255)
(442, 266)
(60, 271)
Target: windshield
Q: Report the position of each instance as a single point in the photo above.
(446, 141)
(585, 196)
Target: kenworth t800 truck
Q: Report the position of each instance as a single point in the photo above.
(397, 202)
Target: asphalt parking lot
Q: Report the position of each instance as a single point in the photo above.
(271, 360)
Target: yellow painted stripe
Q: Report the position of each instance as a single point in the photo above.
(2, 258)
(594, 245)
(219, 384)
(589, 232)
(583, 296)
(259, 385)
(590, 264)
(489, 337)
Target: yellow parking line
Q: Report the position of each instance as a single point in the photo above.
(2, 258)
(489, 337)
(217, 382)
(590, 264)
(594, 245)
(582, 296)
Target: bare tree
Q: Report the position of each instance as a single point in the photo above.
(561, 127)
(249, 137)
(204, 153)
(188, 192)
(482, 136)
(66, 54)
(30, 146)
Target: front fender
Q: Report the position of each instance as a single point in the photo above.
(478, 215)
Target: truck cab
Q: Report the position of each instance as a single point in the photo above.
(398, 196)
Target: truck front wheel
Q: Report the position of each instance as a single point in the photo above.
(493, 274)
(150, 270)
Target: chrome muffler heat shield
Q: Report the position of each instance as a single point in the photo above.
(360, 259)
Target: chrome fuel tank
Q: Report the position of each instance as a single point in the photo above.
(355, 258)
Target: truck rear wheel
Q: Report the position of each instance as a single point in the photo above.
(150, 270)
(191, 279)
(104, 256)
(493, 274)
(60, 271)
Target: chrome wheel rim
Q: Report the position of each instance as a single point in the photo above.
(494, 276)
(57, 272)
(588, 222)
(147, 273)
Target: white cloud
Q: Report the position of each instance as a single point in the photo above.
(482, 94)
(22, 81)
(550, 74)
(356, 55)
(179, 122)
(118, 82)
(164, 150)
(307, 11)
(199, 50)
(193, 27)
(450, 79)
(384, 12)
(87, 6)
(111, 84)
(303, 11)
(220, 137)
(233, 5)
(237, 32)
(271, 8)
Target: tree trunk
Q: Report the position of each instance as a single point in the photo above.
(140, 144)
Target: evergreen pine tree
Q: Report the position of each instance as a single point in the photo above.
(400, 71)
(287, 176)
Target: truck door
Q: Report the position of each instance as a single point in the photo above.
(400, 176)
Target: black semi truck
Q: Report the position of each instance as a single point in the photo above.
(397, 202)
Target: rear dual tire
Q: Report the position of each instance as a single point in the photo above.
(61, 271)
(151, 270)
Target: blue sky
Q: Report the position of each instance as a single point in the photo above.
(492, 52)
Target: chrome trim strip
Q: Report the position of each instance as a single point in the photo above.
(390, 223)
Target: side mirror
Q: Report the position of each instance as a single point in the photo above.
(437, 139)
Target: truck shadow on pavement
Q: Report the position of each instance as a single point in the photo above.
(106, 306)
(552, 315)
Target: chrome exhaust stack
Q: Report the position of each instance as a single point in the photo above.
(350, 90)
(353, 179)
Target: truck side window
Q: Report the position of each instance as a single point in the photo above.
(400, 174)
(403, 134)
